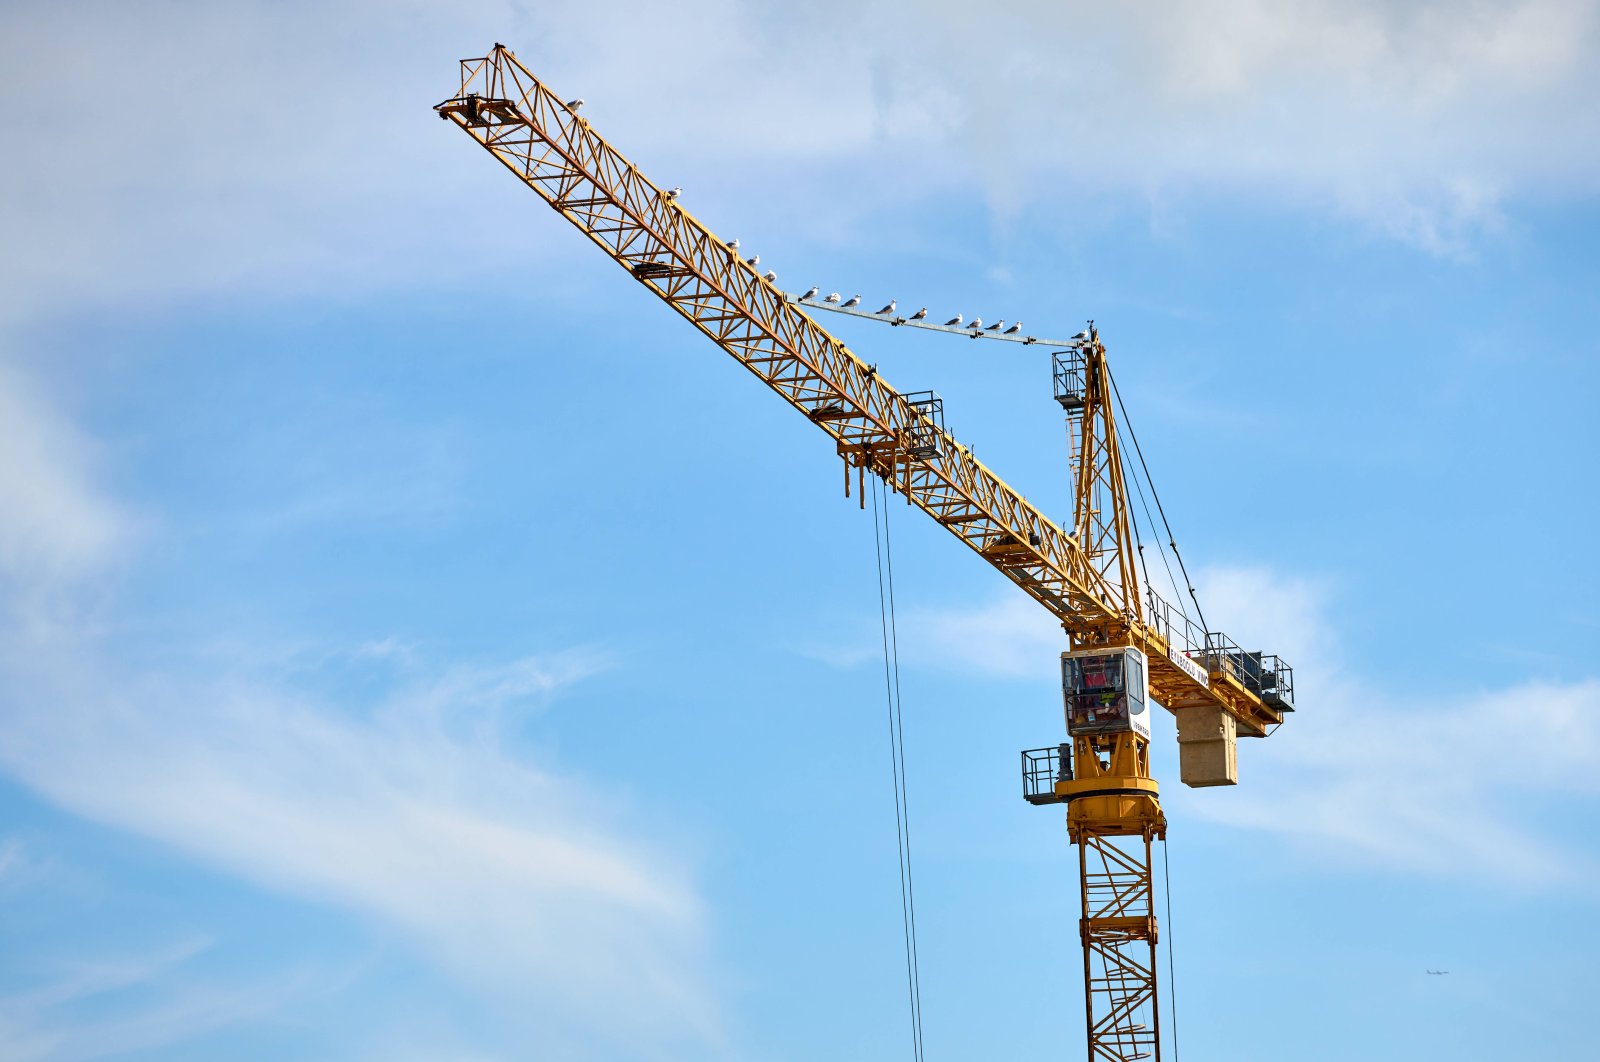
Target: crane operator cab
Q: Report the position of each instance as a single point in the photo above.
(1107, 691)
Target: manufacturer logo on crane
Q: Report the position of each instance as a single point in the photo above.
(1189, 667)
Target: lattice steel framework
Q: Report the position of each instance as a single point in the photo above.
(1101, 525)
(1084, 576)
(554, 151)
(1119, 947)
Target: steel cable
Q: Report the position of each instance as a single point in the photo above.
(883, 550)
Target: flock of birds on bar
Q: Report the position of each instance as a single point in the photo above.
(833, 298)
(974, 326)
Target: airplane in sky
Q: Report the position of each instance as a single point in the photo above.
(1437, 973)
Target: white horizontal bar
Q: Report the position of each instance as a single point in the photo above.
(892, 319)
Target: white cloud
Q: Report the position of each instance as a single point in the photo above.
(413, 809)
(416, 814)
(107, 1008)
(53, 523)
(1417, 118)
(1402, 777)
(1362, 773)
(58, 532)
(1007, 638)
(282, 150)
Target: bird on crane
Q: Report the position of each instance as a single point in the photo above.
(769, 276)
(977, 323)
(920, 314)
(575, 105)
(1014, 329)
(852, 302)
(998, 325)
(753, 261)
(810, 294)
(833, 296)
(889, 308)
(956, 320)
(673, 193)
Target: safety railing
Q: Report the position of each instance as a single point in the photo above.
(1042, 769)
(1264, 674)
(926, 431)
(1182, 634)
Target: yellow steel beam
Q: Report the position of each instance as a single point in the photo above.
(554, 151)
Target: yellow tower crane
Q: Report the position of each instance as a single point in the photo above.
(1130, 648)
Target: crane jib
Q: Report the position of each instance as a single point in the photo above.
(1082, 575)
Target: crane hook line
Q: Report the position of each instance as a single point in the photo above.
(1172, 970)
(891, 683)
(1171, 538)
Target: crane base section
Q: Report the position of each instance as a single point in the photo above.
(1119, 947)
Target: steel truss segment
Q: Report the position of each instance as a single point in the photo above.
(621, 211)
(1119, 938)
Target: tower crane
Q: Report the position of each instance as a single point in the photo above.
(1130, 649)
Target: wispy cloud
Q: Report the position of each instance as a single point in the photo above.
(53, 523)
(414, 812)
(1005, 638)
(1398, 776)
(1364, 773)
(1420, 120)
(415, 807)
(112, 1007)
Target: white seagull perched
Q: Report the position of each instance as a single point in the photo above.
(977, 323)
(673, 193)
(833, 296)
(1014, 329)
(852, 302)
(889, 308)
(1082, 335)
(575, 105)
(810, 294)
(920, 314)
(998, 325)
(770, 276)
(733, 244)
(957, 319)
(753, 261)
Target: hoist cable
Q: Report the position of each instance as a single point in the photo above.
(1172, 971)
(1171, 539)
(902, 811)
(1150, 522)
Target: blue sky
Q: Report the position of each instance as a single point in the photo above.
(415, 642)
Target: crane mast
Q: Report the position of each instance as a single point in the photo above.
(1130, 647)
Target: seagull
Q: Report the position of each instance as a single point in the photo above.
(770, 276)
(977, 323)
(575, 105)
(733, 244)
(889, 308)
(810, 294)
(673, 193)
(833, 296)
(920, 314)
(998, 325)
(1014, 329)
(852, 302)
(753, 261)
(953, 321)
(1082, 335)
